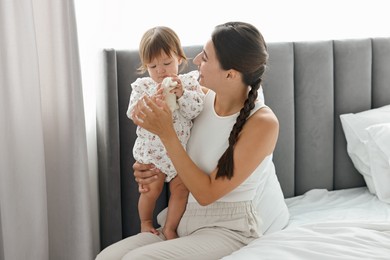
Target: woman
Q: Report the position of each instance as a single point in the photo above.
(227, 159)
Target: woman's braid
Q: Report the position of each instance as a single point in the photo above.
(226, 162)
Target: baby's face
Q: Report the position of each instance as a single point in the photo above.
(163, 66)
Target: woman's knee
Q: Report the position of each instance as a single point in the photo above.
(137, 254)
(150, 252)
(126, 246)
(110, 254)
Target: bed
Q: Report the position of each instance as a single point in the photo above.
(342, 224)
(338, 208)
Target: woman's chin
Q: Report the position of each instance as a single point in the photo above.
(201, 81)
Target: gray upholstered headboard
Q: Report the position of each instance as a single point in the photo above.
(307, 84)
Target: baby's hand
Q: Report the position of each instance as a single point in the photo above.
(173, 84)
(170, 92)
(178, 89)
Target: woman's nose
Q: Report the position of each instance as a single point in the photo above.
(196, 59)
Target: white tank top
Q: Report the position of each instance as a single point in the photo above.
(209, 140)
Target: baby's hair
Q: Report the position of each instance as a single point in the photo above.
(240, 46)
(159, 39)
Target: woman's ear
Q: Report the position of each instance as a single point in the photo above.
(231, 74)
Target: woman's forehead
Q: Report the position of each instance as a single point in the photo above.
(209, 48)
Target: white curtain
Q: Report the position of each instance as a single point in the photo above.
(44, 190)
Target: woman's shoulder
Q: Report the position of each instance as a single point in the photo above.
(263, 118)
(261, 130)
(265, 113)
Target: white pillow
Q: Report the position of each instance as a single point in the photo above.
(379, 153)
(355, 130)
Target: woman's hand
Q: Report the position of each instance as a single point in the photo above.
(145, 174)
(159, 93)
(154, 115)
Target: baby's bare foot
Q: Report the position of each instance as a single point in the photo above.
(169, 233)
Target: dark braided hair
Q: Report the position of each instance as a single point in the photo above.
(240, 46)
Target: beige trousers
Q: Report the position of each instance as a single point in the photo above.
(209, 232)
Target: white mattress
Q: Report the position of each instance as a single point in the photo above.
(343, 224)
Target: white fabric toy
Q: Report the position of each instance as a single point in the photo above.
(170, 98)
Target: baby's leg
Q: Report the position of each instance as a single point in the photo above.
(176, 207)
(147, 203)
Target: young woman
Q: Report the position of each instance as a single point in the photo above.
(227, 156)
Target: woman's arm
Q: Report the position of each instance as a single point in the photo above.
(256, 141)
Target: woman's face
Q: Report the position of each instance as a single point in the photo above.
(210, 71)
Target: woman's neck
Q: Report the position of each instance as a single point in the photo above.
(226, 104)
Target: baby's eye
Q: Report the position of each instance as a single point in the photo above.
(151, 66)
(167, 63)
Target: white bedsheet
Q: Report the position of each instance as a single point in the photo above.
(344, 224)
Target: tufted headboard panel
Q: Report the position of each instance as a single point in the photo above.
(307, 84)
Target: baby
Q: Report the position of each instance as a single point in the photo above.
(161, 54)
